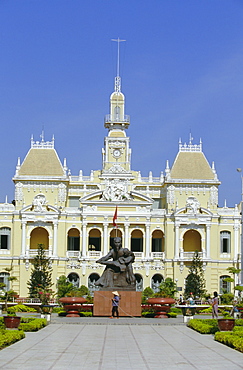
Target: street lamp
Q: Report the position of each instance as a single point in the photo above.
(241, 239)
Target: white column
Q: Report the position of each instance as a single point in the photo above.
(55, 239)
(126, 236)
(208, 246)
(236, 242)
(147, 241)
(84, 241)
(176, 241)
(105, 238)
(23, 251)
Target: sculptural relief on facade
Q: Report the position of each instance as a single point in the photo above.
(19, 192)
(116, 190)
(115, 168)
(214, 196)
(61, 193)
(171, 194)
(39, 203)
(192, 205)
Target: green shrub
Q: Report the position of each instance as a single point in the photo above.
(231, 339)
(20, 308)
(172, 314)
(8, 337)
(176, 310)
(57, 309)
(209, 326)
(206, 310)
(86, 314)
(32, 324)
(148, 314)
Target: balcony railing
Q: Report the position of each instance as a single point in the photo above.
(190, 255)
(73, 254)
(94, 254)
(158, 255)
(34, 252)
(138, 255)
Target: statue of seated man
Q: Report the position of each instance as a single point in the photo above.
(118, 272)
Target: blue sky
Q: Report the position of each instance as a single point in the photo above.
(181, 69)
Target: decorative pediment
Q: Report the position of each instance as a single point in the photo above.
(116, 168)
(40, 205)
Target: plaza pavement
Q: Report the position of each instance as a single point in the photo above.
(126, 343)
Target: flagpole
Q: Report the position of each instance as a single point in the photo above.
(114, 221)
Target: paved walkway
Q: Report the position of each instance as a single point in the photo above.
(101, 343)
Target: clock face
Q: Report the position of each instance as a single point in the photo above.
(116, 153)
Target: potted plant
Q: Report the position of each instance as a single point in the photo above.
(11, 321)
(162, 301)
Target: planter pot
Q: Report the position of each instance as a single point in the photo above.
(226, 324)
(11, 322)
(161, 306)
(72, 305)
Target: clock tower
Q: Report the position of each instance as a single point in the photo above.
(116, 153)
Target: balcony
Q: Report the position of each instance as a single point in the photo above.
(33, 252)
(94, 254)
(73, 254)
(121, 120)
(188, 256)
(138, 255)
(158, 255)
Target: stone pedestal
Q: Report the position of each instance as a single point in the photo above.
(130, 303)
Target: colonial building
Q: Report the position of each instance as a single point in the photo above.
(162, 219)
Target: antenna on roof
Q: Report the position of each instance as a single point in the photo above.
(118, 78)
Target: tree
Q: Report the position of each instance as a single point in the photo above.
(9, 293)
(234, 271)
(40, 282)
(64, 287)
(167, 289)
(195, 282)
(147, 293)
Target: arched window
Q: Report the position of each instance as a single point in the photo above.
(224, 242)
(91, 283)
(39, 236)
(156, 281)
(157, 241)
(192, 241)
(139, 282)
(74, 279)
(73, 240)
(137, 241)
(4, 280)
(224, 286)
(5, 233)
(117, 113)
(94, 240)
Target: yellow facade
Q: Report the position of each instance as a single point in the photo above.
(162, 219)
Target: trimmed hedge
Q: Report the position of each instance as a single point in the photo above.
(29, 324)
(231, 339)
(204, 326)
(20, 308)
(8, 337)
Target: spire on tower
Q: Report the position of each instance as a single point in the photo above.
(117, 119)
(118, 78)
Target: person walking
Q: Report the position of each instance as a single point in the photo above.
(115, 304)
(215, 302)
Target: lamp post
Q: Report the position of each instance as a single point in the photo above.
(241, 239)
